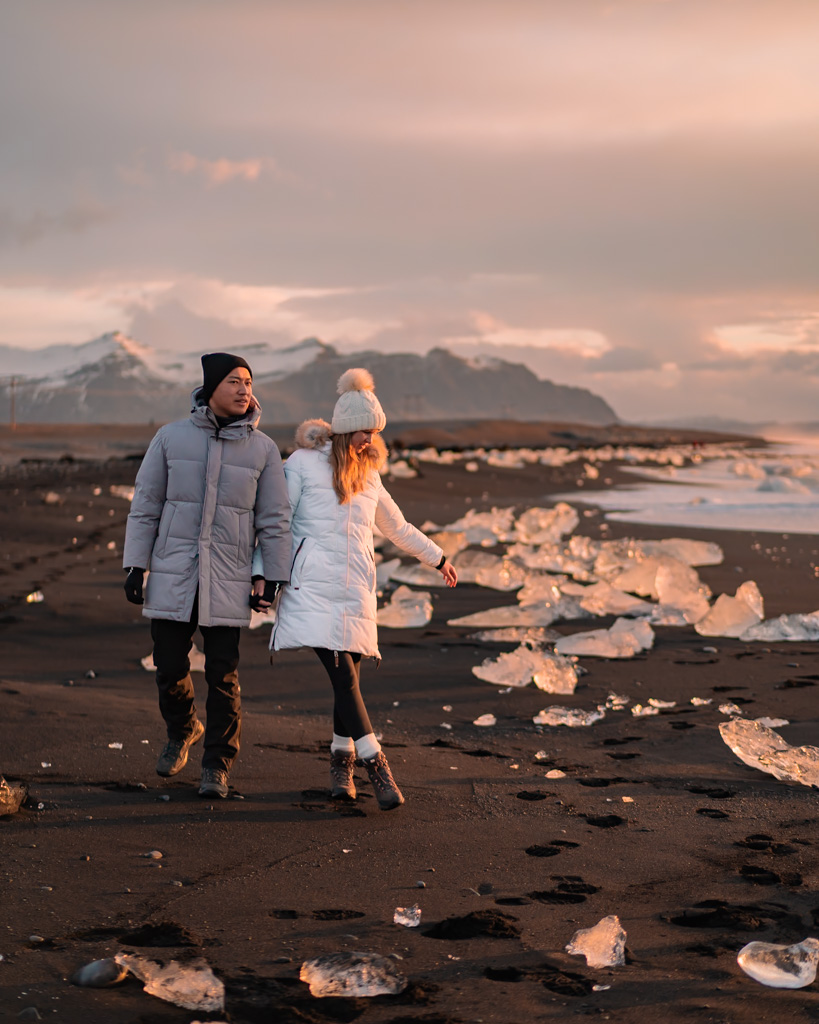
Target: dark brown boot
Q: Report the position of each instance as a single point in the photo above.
(387, 792)
(342, 784)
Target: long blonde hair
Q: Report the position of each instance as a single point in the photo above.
(351, 470)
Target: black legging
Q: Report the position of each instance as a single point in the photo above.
(350, 717)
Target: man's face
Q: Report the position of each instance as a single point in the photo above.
(232, 396)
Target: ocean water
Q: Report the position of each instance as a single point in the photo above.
(773, 489)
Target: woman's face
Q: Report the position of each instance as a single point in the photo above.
(362, 439)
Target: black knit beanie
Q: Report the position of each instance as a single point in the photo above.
(215, 367)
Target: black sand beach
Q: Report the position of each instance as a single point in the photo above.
(707, 854)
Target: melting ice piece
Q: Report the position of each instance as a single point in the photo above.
(731, 616)
(772, 723)
(604, 599)
(485, 528)
(522, 666)
(643, 711)
(786, 627)
(655, 702)
(679, 587)
(699, 702)
(507, 615)
(517, 635)
(408, 609)
(604, 945)
(197, 657)
(761, 747)
(781, 966)
(352, 975)
(617, 701)
(384, 570)
(401, 470)
(12, 795)
(409, 917)
(730, 709)
(192, 985)
(504, 575)
(575, 718)
(623, 640)
(416, 574)
(35, 597)
(485, 720)
(450, 541)
(546, 525)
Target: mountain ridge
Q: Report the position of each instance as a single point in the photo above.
(116, 379)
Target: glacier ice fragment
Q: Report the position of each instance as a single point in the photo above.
(604, 945)
(781, 966)
(352, 975)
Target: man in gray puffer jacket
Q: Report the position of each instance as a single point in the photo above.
(209, 488)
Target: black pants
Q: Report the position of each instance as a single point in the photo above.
(350, 716)
(223, 729)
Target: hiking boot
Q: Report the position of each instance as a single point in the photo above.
(387, 793)
(174, 756)
(214, 783)
(342, 784)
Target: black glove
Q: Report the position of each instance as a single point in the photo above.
(133, 585)
(271, 588)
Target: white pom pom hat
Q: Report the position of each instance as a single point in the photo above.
(357, 408)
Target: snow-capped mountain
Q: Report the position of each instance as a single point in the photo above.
(115, 379)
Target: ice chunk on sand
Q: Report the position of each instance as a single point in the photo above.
(541, 587)
(485, 528)
(604, 945)
(408, 609)
(781, 966)
(787, 627)
(731, 616)
(416, 574)
(352, 975)
(504, 575)
(450, 542)
(468, 563)
(678, 586)
(517, 635)
(556, 558)
(691, 552)
(196, 657)
(508, 615)
(12, 795)
(401, 470)
(384, 570)
(545, 525)
(192, 985)
(486, 720)
(574, 718)
(409, 917)
(124, 491)
(760, 747)
(623, 640)
(522, 666)
(604, 599)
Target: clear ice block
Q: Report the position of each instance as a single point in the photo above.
(604, 945)
(780, 966)
(352, 975)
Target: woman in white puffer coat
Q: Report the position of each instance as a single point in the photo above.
(336, 497)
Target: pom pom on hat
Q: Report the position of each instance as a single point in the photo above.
(357, 408)
(355, 379)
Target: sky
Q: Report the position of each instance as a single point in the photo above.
(620, 194)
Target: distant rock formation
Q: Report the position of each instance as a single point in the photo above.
(115, 379)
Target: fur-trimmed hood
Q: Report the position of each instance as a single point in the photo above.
(318, 433)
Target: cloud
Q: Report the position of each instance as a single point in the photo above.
(28, 229)
(221, 171)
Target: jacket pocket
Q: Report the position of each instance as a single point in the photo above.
(165, 524)
(244, 549)
(299, 562)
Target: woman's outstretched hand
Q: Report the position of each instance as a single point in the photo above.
(447, 570)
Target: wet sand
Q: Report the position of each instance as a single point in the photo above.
(709, 855)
